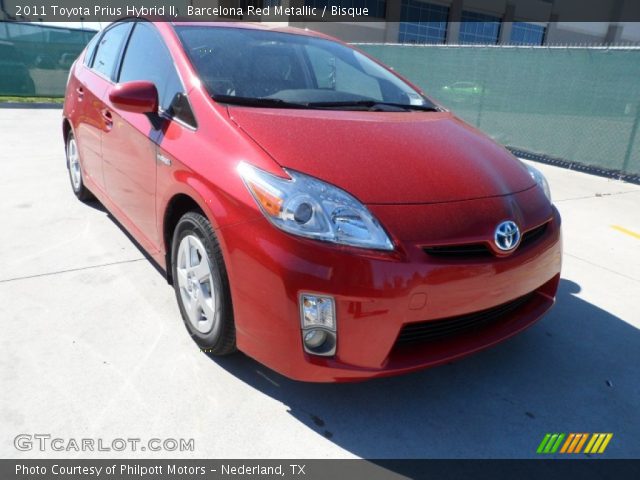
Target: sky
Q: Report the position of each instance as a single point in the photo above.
(93, 25)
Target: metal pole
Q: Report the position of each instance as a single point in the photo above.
(485, 72)
(632, 139)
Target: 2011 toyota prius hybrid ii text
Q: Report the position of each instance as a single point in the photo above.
(312, 208)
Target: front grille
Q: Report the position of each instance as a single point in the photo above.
(482, 249)
(471, 249)
(532, 235)
(438, 329)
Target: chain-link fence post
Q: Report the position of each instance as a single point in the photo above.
(632, 139)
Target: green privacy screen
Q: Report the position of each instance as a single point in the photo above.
(577, 104)
(35, 59)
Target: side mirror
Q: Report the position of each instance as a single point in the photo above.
(139, 97)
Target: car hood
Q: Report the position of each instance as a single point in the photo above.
(387, 157)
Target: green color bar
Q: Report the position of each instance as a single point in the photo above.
(550, 443)
(558, 442)
(543, 443)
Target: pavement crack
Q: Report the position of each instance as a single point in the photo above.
(71, 270)
(602, 267)
(596, 195)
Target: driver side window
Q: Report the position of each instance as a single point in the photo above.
(147, 58)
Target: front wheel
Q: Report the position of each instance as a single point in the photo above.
(75, 170)
(201, 285)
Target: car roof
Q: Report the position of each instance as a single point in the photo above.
(228, 24)
(254, 26)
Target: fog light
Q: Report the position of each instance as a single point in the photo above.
(318, 341)
(318, 319)
(314, 338)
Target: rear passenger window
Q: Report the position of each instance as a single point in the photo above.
(109, 48)
(91, 47)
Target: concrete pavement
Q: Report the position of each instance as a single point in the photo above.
(92, 343)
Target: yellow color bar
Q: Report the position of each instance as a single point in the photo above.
(596, 446)
(626, 231)
(594, 437)
(606, 442)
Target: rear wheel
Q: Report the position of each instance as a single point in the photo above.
(75, 170)
(201, 285)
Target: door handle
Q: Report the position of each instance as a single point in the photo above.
(80, 92)
(108, 118)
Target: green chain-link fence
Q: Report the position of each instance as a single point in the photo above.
(577, 104)
(35, 59)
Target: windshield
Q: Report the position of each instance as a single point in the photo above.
(275, 69)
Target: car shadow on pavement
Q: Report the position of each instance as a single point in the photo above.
(577, 370)
(95, 204)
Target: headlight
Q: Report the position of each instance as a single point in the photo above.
(540, 180)
(306, 206)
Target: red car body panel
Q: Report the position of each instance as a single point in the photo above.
(391, 158)
(430, 179)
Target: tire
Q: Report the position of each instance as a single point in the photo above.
(201, 285)
(75, 170)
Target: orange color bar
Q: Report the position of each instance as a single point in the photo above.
(575, 442)
(567, 442)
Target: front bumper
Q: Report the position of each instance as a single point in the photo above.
(377, 294)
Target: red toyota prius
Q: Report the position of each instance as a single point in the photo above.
(312, 208)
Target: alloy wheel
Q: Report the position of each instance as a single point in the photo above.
(196, 285)
(74, 164)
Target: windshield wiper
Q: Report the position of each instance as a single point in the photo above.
(257, 102)
(279, 103)
(372, 104)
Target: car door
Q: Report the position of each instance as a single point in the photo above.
(93, 78)
(130, 146)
